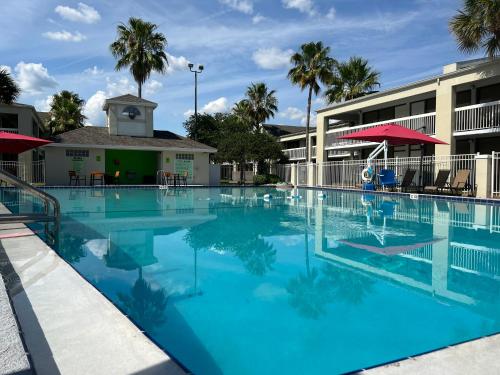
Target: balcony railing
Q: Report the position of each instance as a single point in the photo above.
(10, 130)
(299, 153)
(426, 123)
(479, 117)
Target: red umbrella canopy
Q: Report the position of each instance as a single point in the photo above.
(394, 134)
(12, 143)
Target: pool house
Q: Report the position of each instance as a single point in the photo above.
(126, 150)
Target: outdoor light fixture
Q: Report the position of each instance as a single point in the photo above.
(196, 72)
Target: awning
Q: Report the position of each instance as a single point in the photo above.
(12, 143)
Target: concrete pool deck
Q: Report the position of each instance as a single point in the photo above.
(67, 325)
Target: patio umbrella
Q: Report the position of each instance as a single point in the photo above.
(395, 135)
(12, 143)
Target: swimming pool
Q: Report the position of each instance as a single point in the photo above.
(228, 282)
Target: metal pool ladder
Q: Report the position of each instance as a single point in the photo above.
(51, 207)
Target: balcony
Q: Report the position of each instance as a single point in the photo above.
(298, 153)
(425, 123)
(477, 119)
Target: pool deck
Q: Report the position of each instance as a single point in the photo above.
(67, 325)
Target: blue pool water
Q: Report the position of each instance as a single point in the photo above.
(230, 283)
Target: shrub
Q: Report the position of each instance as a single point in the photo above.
(262, 179)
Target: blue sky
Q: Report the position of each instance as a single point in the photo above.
(53, 45)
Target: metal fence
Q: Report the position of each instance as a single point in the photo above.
(284, 171)
(495, 174)
(347, 173)
(226, 172)
(302, 171)
(33, 174)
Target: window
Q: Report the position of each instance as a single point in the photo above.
(8, 120)
(417, 108)
(383, 114)
(430, 105)
(463, 98)
(77, 153)
(184, 156)
(488, 93)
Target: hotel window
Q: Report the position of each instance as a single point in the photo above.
(488, 93)
(77, 153)
(463, 98)
(8, 120)
(184, 156)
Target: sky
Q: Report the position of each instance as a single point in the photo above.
(50, 46)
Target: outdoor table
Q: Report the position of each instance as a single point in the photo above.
(94, 176)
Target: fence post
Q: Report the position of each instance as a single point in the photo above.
(343, 173)
(483, 176)
(494, 172)
(293, 174)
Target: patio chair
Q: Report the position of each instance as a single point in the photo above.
(459, 183)
(439, 183)
(183, 178)
(387, 178)
(76, 178)
(169, 178)
(407, 180)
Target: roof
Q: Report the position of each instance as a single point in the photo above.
(129, 98)
(283, 130)
(99, 137)
(460, 68)
(44, 116)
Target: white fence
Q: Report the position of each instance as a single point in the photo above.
(495, 174)
(347, 173)
(34, 173)
(284, 171)
(478, 117)
(298, 153)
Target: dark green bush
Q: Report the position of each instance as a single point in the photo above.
(262, 179)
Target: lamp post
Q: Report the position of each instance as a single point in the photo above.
(196, 72)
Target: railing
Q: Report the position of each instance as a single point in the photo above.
(15, 168)
(426, 123)
(302, 172)
(298, 153)
(38, 172)
(10, 130)
(347, 173)
(483, 261)
(284, 171)
(478, 117)
(34, 175)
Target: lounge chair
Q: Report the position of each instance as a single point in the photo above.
(407, 180)
(459, 183)
(440, 183)
(387, 178)
(76, 178)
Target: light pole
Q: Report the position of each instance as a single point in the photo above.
(196, 72)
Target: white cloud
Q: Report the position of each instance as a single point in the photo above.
(6, 68)
(176, 63)
(243, 6)
(257, 19)
(83, 13)
(331, 14)
(94, 71)
(44, 104)
(303, 6)
(297, 115)
(93, 108)
(64, 36)
(33, 78)
(189, 113)
(152, 86)
(218, 105)
(120, 87)
(272, 58)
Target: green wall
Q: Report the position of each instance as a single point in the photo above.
(133, 165)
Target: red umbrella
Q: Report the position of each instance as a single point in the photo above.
(394, 134)
(12, 143)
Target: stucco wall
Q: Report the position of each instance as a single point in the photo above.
(201, 168)
(58, 164)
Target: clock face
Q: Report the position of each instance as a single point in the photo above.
(131, 112)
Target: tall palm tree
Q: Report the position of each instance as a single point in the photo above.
(141, 48)
(66, 112)
(9, 90)
(354, 78)
(259, 104)
(478, 26)
(312, 66)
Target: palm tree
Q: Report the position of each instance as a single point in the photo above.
(66, 112)
(9, 91)
(312, 66)
(354, 79)
(478, 26)
(259, 105)
(142, 49)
